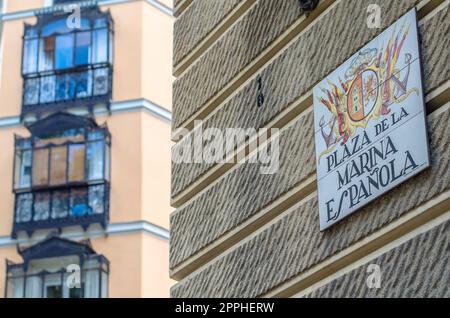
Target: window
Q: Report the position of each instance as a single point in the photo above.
(58, 47)
(61, 174)
(64, 204)
(46, 276)
(63, 64)
(23, 164)
(59, 160)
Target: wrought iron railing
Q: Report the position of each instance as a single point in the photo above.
(80, 205)
(60, 89)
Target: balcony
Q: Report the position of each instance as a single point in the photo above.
(72, 206)
(65, 66)
(44, 271)
(59, 90)
(61, 175)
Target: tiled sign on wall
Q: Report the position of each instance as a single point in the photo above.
(369, 121)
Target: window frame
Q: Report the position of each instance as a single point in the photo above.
(63, 248)
(89, 77)
(56, 131)
(86, 142)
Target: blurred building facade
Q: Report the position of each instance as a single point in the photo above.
(253, 64)
(85, 90)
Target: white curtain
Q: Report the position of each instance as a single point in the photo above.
(17, 287)
(46, 54)
(30, 56)
(95, 160)
(91, 279)
(33, 287)
(15, 283)
(100, 49)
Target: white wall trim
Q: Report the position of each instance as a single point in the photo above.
(30, 13)
(116, 107)
(138, 104)
(112, 229)
(9, 121)
(161, 7)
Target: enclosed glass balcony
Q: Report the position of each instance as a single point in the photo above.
(66, 65)
(61, 178)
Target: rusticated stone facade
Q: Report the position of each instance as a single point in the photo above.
(239, 233)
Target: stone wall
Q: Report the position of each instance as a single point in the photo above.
(245, 234)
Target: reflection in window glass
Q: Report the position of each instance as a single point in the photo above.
(83, 84)
(41, 206)
(82, 50)
(31, 93)
(59, 26)
(46, 53)
(40, 166)
(76, 162)
(30, 56)
(24, 207)
(95, 160)
(100, 47)
(58, 165)
(78, 203)
(65, 87)
(47, 94)
(60, 204)
(96, 197)
(64, 51)
(55, 47)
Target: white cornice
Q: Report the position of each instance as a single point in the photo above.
(9, 121)
(145, 104)
(112, 229)
(116, 107)
(31, 13)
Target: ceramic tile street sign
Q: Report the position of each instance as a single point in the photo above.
(369, 122)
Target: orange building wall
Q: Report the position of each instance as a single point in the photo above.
(140, 152)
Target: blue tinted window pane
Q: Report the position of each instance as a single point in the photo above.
(30, 32)
(31, 93)
(100, 23)
(83, 49)
(83, 84)
(65, 87)
(47, 89)
(60, 26)
(64, 51)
